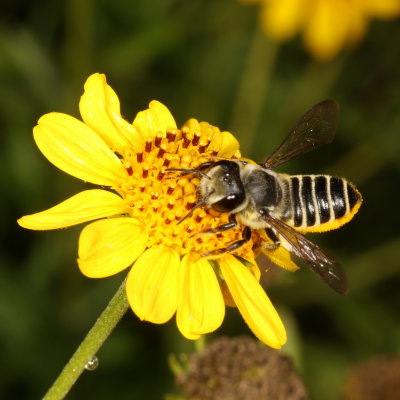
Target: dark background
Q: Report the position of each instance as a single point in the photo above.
(196, 57)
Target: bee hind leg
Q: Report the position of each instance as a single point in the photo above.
(275, 240)
(246, 235)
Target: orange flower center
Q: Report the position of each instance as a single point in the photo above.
(161, 199)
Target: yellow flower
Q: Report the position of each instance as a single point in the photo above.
(327, 25)
(137, 212)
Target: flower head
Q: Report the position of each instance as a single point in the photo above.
(137, 210)
(327, 25)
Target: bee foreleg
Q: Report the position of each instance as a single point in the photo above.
(220, 228)
(246, 236)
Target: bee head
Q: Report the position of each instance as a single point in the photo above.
(223, 187)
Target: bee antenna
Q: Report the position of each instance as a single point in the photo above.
(188, 171)
(197, 205)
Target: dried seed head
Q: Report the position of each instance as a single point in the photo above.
(241, 369)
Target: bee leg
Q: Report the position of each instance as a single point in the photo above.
(220, 228)
(275, 240)
(246, 235)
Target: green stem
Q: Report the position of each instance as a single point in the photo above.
(104, 325)
(253, 88)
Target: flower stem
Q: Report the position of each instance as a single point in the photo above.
(104, 325)
(253, 88)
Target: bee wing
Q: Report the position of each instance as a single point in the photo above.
(322, 264)
(315, 128)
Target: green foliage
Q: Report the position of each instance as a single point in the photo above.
(193, 56)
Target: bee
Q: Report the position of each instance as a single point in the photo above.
(285, 206)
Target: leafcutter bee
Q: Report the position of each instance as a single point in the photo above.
(286, 206)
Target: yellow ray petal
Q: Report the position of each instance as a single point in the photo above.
(84, 206)
(193, 125)
(108, 246)
(282, 19)
(152, 285)
(77, 150)
(281, 257)
(100, 109)
(156, 118)
(252, 302)
(327, 29)
(201, 307)
(229, 145)
(383, 8)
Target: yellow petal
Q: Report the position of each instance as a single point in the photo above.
(281, 257)
(201, 307)
(282, 19)
(229, 145)
(84, 206)
(155, 119)
(193, 125)
(100, 109)
(152, 285)
(209, 131)
(327, 28)
(383, 8)
(108, 246)
(252, 302)
(77, 150)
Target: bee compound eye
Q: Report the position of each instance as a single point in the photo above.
(228, 203)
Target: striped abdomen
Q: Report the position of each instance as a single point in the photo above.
(322, 202)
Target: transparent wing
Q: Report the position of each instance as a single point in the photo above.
(315, 128)
(322, 264)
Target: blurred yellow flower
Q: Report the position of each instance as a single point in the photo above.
(136, 220)
(327, 25)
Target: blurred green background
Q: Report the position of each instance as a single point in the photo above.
(207, 60)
